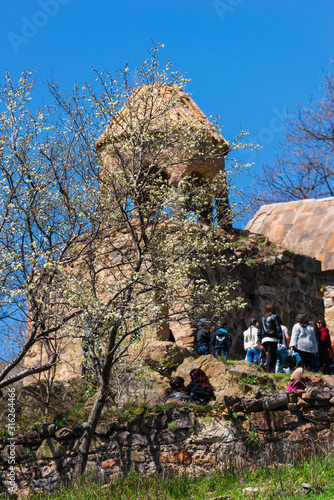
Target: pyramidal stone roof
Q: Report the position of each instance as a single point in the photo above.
(304, 226)
(156, 99)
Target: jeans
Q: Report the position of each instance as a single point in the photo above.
(203, 349)
(252, 354)
(315, 363)
(223, 352)
(282, 354)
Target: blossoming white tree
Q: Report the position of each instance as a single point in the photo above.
(104, 242)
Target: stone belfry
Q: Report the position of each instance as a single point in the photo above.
(155, 111)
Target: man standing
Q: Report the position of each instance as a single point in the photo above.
(203, 337)
(222, 341)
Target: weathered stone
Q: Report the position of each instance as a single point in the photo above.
(48, 430)
(276, 401)
(164, 437)
(10, 452)
(50, 448)
(46, 484)
(323, 415)
(274, 420)
(229, 452)
(107, 464)
(249, 405)
(46, 471)
(215, 431)
(20, 439)
(137, 456)
(303, 404)
(203, 459)
(159, 353)
(132, 439)
(96, 445)
(305, 433)
(315, 394)
(64, 434)
(237, 407)
(273, 437)
(183, 457)
(293, 396)
(184, 418)
(220, 376)
(293, 407)
(104, 428)
(325, 436)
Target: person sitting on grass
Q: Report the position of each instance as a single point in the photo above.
(200, 390)
(299, 380)
(175, 390)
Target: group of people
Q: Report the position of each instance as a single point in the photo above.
(221, 339)
(267, 342)
(199, 391)
(310, 342)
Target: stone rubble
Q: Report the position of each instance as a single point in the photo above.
(179, 439)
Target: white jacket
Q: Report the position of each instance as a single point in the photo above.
(250, 338)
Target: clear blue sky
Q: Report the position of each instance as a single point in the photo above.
(249, 60)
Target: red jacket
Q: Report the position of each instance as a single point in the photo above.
(325, 339)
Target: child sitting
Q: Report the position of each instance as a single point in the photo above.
(299, 380)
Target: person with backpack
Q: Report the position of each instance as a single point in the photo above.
(221, 342)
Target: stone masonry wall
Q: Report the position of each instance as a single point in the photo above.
(291, 281)
(264, 431)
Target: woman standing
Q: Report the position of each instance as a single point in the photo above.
(269, 334)
(324, 346)
(303, 340)
(251, 343)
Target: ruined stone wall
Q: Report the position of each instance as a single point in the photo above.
(328, 281)
(243, 432)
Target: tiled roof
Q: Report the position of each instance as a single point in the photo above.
(304, 226)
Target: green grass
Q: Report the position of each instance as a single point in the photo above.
(276, 482)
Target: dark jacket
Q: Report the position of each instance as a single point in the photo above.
(270, 326)
(203, 337)
(199, 395)
(221, 339)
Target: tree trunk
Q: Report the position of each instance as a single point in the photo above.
(89, 431)
(98, 406)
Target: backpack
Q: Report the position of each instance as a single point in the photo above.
(222, 339)
(261, 360)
